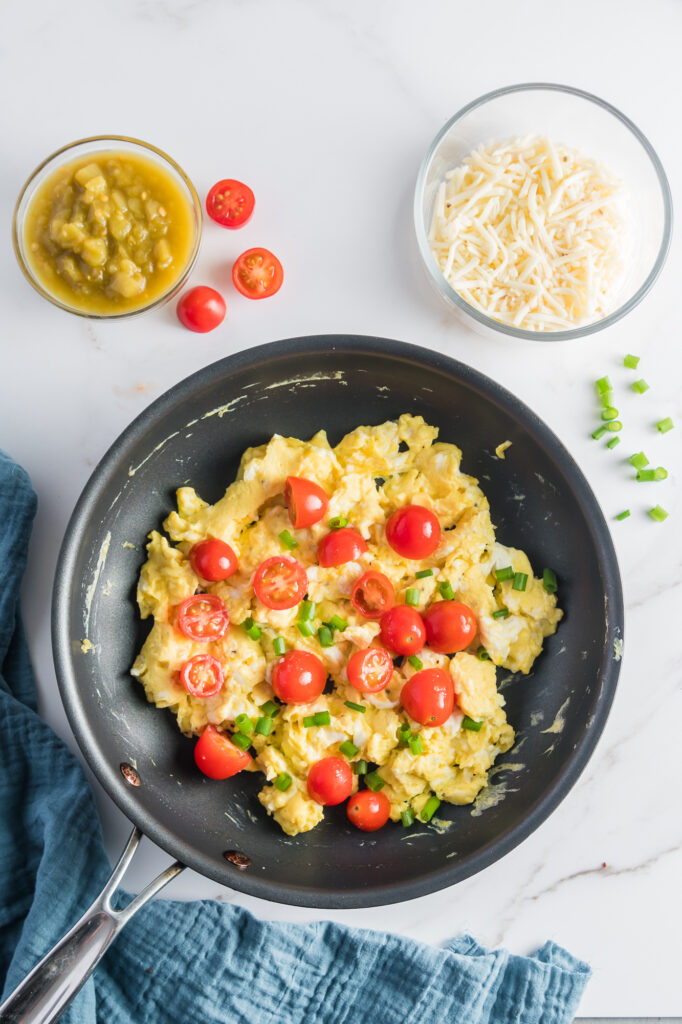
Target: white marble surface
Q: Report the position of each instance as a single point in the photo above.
(326, 108)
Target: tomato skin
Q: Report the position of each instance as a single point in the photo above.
(257, 274)
(203, 617)
(429, 696)
(372, 595)
(450, 626)
(368, 811)
(306, 501)
(413, 532)
(403, 629)
(330, 781)
(202, 676)
(201, 309)
(370, 671)
(230, 203)
(299, 677)
(340, 546)
(217, 756)
(280, 582)
(213, 559)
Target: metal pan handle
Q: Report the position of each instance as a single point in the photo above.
(46, 992)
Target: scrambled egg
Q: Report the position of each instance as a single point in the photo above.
(372, 472)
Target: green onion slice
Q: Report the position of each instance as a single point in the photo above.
(520, 581)
(278, 645)
(471, 724)
(415, 662)
(504, 574)
(338, 523)
(359, 767)
(482, 654)
(270, 709)
(255, 632)
(283, 781)
(609, 413)
(288, 541)
(640, 386)
(632, 362)
(355, 707)
(244, 723)
(501, 613)
(407, 817)
(646, 475)
(336, 622)
(658, 514)
(348, 749)
(325, 636)
(404, 733)
(549, 581)
(446, 592)
(306, 611)
(599, 432)
(665, 425)
(412, 596)
(639, 460)
(415, 744)
(660, 473)
(624, 514)
(613, 442)
(309, 721)
(424, 573)
(606, 398)
(241, 741)
(614, 425)
(305, 628)
(322, 718)
(429, 808)
(374, 781)
(264, 726)
(603, 384)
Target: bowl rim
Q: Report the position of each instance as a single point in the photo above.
(17, 226)
(448, 292)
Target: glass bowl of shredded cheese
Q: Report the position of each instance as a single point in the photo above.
(542, 212)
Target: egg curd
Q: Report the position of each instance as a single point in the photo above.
(371, 473)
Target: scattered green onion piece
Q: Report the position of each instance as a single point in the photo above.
(415, 662)
(609, 413)
(599, 432)
(424, 573)
(482, 654)
(264, 726)
(504, 574)
(288, 541)
(348, 749)
(606, 398)
(322, 718)
(338, 523)
(283, 781)
(255, 632)
(407, 817)
(658, 514)
(660, 473)
(248, 623)
(639, 461)
(241, 741)
(306, 611)
(632, 362)
(404, 733)
(520, 581)
(603, 384)
(374, 782)
(305, 628)
(359, 768)
(646, 475)
(279, 646)
(244, 723)
(309, 721)
(613, 442)
(429, 808)
(270, 709)
(501, 613)
(415, 744)
(355, 707)
(412, 596)
(624, 514)
(446, 592)
(663, 425)
(471, 723)
(336, 622)
(614, 425)
(640, 386)
(325, 636)
(549, 581)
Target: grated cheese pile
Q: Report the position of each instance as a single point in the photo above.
(532, 233)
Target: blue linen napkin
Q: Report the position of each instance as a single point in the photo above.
(208, 961)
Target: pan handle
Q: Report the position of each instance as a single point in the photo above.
(46, 992)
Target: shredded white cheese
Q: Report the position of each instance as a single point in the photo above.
(532, 233)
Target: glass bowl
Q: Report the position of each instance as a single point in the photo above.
(583, 122)
(92, 146)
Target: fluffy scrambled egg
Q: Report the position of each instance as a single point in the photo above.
(372, 472)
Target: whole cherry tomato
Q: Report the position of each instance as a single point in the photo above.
(213, 559)
(203, 617)
(330, 781)
(450, 626)
(370, 671)
(201, 309)
(372, 595)
(280, 582)
(202, 676)
(257, 274)
(306, 501)
(217, 755)
(403, 630)
(230, 203)
(298, 677)
(368, 811)
(429, 696)
(413, 532)
(340, 546)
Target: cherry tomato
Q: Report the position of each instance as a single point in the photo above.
(217, 756)
(213, 559)
(230, 203)
(413, 531)
(202, 676)
(257, 273)
(429, 696)
(203, 617)
(370, 671)
(450, 626)
(372, 595)
(403, 630)
(201, 309)
(298, 677)
(306, 501)
(280, 582)
(330, 781)
(340, 546)
(368, 811)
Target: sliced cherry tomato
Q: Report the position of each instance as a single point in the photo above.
(202, 676)
(403, 630)
(372, 595)
(280, 582)
(413, 531)
(217, 756)
(330, 781)
(450, 626)
(298, 677)
(213, 559)
(370, 671)
(201, 309)
(257, 274)
(230, 203)
(203, 617)
(368, 811)
(340, 546)
(429, 696)
(306, 501)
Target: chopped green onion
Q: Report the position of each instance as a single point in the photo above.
(614, 425)
(415, 744)
(471, 723)
(305, 628)
(549, 581)
(599, 432)
(279, 646)
(609, 413)
(404, 733)
(255, 632)
(504, 574)
(423, 573)
(501, 613)
(244, 723)
(348, 749)
(338, 523)
(374, 781)
(613, 442)
(283, 781)
(639, 461)
(429, 808)
(663, 425)
(264, 726)
(415, 662)
(306, 611)
(355, 707)
(407, 817)
(660, 473)
(632, 362)
(322, 718)
(309, 721)
(325, 636)
(359, 768)
(241, 741)
(412, 596)
(606, 398)
(288, 541)
(520, 581)
(640, 386)
(482, 654)
(658, 514)
(248, 623)
(270, 709)
(645, 475)
(603, 384)
(446, 592)
(624, 514)
(336, 622)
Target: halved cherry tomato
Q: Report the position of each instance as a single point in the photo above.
(203, 617)
(298, 677)
(280, 582)
(429, 696)
(370, 671)
(217, 756)
(330, 781)
(368, 811)
(257, 274)
(201, 309)
(230, 203)
(413, 531)
(340, 546)
(202, 676)
(403, 630)
(450, 626)
(306, 501)
(213, 559)
(372, 595)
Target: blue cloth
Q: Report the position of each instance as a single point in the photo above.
(206, 961)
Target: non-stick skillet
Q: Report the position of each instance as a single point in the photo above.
(195, 433)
